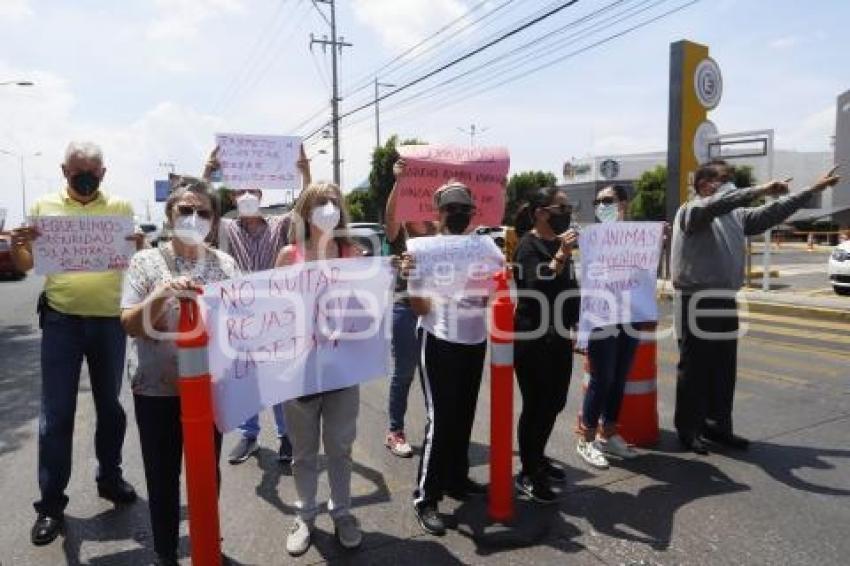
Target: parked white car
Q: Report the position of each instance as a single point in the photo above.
(839, 268)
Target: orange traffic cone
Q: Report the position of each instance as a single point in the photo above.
(638, 421)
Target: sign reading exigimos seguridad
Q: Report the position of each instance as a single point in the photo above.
(696, 87)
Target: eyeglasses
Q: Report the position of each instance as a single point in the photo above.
(188, 210)
(605, 200)
(559, 208)
(458, 209)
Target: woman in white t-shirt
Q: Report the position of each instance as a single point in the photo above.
(453, 340)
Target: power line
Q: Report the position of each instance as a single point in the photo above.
(462, 58)
(261, 42)
(365, 79)
(527, 72)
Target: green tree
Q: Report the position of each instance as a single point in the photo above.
(381, 178)
(650, 193)
(225, 202)
(743, 175)
(361, 206)
(520, 186)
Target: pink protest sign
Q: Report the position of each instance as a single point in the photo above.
(427, 167)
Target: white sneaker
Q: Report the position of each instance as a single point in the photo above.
(616, 446)
(298, 540)
(591, 454)
(348, 531)
(398, 445)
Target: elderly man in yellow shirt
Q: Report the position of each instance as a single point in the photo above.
(79, 318)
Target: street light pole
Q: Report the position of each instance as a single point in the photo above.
(21, 157)
(378, 112)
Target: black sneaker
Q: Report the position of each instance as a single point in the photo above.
(244, 449)
(117, 491)
(429, 519)
(538, 491)
(695, 443)
(284, 453)
(45, 530)
(726, 438)
(553, 473)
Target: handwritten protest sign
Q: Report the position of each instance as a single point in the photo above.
(427, 167)
(448, 265)
(82, 243)
(259, 162)
(293, 331)
(619, 266)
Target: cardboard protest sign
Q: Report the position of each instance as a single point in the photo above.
(427, 167)
(259, 162)
(619, 269)
(448, 265)
(294, 331)
(82, 243)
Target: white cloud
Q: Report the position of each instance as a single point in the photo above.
(811, 134)
(184, 18)
(15, 9)
(401, 24)
(786, 42)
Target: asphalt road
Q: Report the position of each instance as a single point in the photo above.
(786, 501)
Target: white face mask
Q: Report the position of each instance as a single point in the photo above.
(192, 230)
(607, 212)
(326, 217)
(248, 205)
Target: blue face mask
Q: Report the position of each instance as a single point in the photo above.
(607, 212)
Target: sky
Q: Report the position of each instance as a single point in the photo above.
(152, 81)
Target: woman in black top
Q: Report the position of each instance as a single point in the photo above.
(544, 356)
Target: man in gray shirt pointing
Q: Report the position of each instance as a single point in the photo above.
(708, 257)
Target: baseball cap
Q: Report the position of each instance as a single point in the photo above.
(453, 193)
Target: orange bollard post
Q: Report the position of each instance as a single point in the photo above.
(638, 421)
(501, 503)
(196, 410)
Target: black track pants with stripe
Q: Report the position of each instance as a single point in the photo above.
(451, 378)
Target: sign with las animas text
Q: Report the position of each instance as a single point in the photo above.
(82, 243)
(259, 162)
(619, 269)
(427, 167)
(294, 331)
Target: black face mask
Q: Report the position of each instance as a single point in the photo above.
(85, 183)
(560, 223)
(458, 222)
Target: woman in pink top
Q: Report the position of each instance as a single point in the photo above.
(318, 219)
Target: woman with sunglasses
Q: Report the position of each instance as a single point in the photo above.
(150, 311)
(547, 310)
(610, 352)
(315, 234)
(453, 340)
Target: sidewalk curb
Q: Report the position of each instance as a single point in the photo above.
(757, 305)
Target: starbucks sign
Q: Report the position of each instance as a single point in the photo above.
(708, 83)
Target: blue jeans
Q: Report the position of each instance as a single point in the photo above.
(610, 361)
(65, 341)
(251, 428)
(405, 349)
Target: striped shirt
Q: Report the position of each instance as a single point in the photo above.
(258, 251)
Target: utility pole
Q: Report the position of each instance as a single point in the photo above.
(377, 111)
(472, 132)
(336, 48)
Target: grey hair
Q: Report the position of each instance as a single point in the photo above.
(84, 149)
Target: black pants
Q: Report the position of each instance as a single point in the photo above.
(161, 437)
(543, 368)
(705, 387)
(451, 378)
